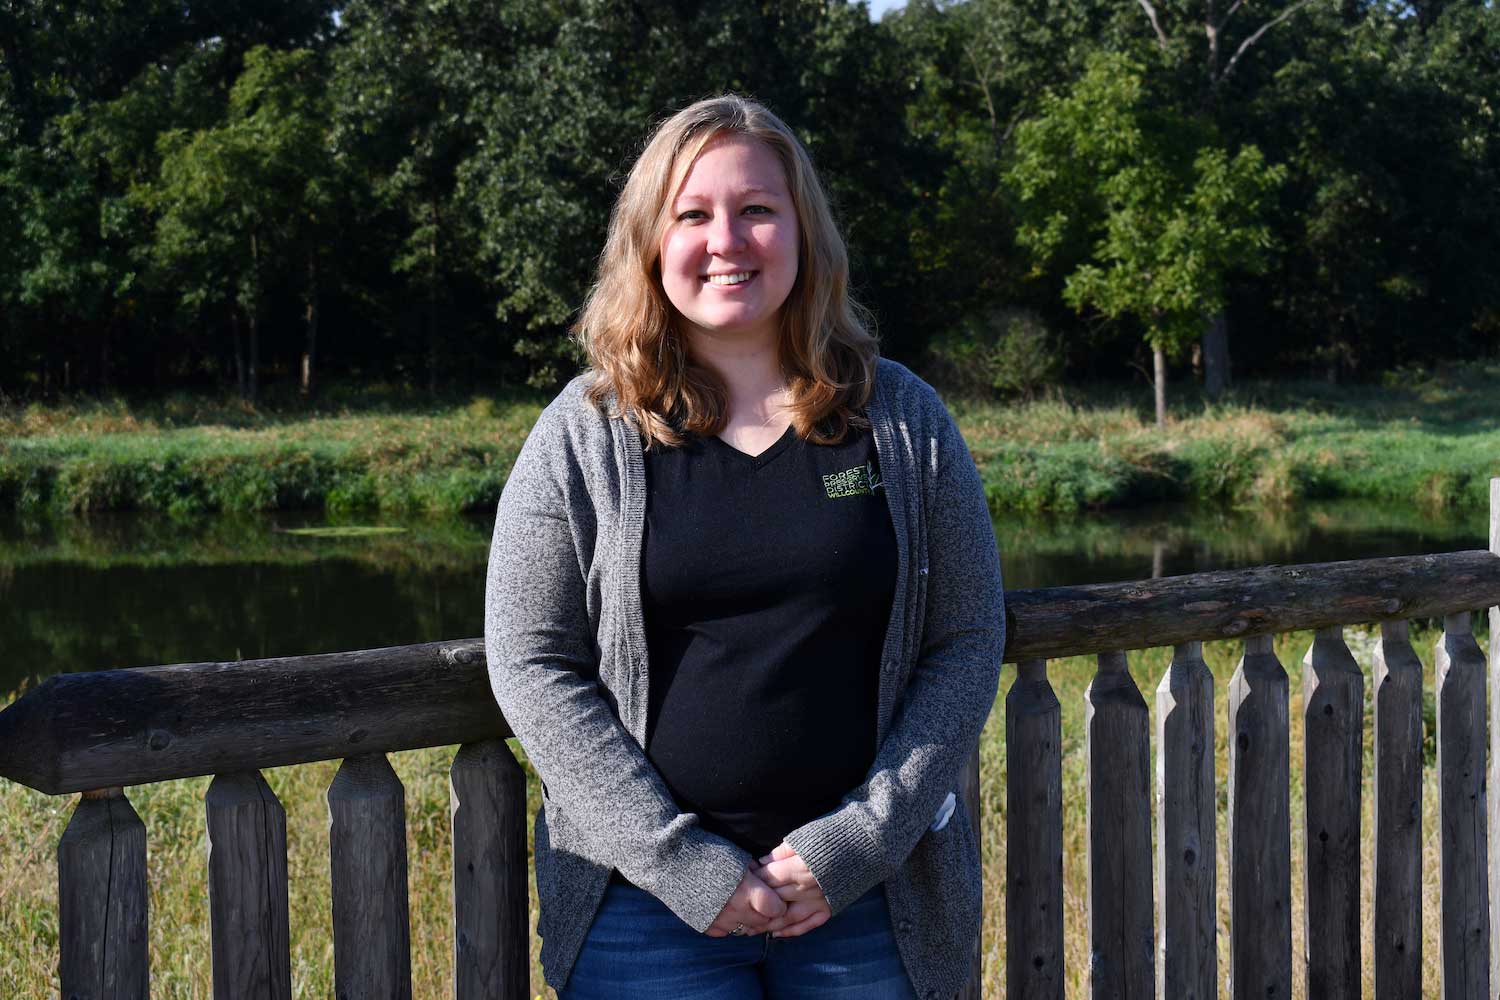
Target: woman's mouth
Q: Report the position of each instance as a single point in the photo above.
(732, 279)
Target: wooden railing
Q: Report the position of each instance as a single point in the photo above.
(94, 733)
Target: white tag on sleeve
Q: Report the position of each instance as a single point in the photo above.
(944, 813)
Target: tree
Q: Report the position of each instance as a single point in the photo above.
(250, 194)
(1154, 211)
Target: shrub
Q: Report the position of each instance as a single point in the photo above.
(1005, 351)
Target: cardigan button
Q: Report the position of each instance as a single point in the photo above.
(905, 927)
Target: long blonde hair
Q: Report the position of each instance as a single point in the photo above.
(626, 327)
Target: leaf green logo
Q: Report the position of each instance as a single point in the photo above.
(858, 481)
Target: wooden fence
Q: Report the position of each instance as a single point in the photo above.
(95, 733)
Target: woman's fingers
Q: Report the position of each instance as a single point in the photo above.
(813, 922)
(788, 872)
(764, 900)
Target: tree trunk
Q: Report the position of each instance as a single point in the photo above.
(239, 351)
(310, 350)
(252, 381)
(1216, 356)
(432, 323)
(1159, 358)
(104, 356)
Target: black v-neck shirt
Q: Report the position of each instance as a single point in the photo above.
(766, 584)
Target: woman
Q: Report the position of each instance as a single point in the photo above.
(787, 534)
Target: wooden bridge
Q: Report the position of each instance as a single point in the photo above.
(1151, 920)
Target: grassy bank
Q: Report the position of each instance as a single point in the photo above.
(173, 812)
(1433, 438)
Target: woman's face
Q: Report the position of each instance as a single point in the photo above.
(729, 253)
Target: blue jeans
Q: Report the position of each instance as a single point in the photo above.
(637, 949)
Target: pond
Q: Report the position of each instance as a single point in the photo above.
(128, 590)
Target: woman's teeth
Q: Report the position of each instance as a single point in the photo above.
(730, 279)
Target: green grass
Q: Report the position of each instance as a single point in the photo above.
(31, 824)
(1432, 437)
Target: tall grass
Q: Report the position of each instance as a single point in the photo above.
(31, 824)
(1433, 437)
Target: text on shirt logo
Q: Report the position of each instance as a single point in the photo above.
(853, 482)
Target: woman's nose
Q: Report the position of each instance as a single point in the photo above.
(725, 236)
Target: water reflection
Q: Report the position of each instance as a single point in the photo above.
(89, 594)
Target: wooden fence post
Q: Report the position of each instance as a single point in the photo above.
(367, 865)
(1333, 711)
(1398, 814)
(1494, 772)
(247, 895)
(968, 792)
(1122, 945)
(1260, 849)
(491, 915)
(1463, 888)
(101, 900)
(1033, 837)
(1187, 855)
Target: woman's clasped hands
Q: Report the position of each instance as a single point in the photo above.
(777, 896)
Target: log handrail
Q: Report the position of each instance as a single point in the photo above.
(81, 731)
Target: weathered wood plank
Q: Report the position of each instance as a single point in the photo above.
(1463, 888)
(1494, 773)
(492, 931)
(1232, 604)
(1186, 861)
(147, 724)
(1333, 699)
(968, 793)
(1260, 849)
(1033, 837)
(367, 863)
(1398, 815)
(1121, 939)
(101, 900)
(127, 727)
(247, 893)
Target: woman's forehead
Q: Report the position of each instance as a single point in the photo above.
(739, 163)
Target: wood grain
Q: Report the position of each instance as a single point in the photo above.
(127, 727)
(101, 897)
(1463, 887)
(1234, 604)
(135, 726)
(1333, 699)
(1494, 773)
(1121, 939)
(1187, 858)
(487, 792)
(1260, 849)
(367, 864)
(968, 793)
(1033, 837)
(247, 892)
(1398, 815)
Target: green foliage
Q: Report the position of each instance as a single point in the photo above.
(1156, 215)
(1007, 352)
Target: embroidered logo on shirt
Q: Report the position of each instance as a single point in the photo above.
(858, 481)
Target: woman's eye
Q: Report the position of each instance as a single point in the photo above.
(689, 215)
(758, 209)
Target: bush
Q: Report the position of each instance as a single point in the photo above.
(1006, 352)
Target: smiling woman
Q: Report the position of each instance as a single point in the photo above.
(743, 609)
(729, 256)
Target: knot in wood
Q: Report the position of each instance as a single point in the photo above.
(460, 656)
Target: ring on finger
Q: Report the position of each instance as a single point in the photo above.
(739, 931)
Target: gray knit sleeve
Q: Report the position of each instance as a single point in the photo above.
(950, 690)
(543, 668)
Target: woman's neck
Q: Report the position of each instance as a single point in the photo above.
(753, 379)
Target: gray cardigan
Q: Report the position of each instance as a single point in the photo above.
(568, 666)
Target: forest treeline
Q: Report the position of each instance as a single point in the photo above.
(415, 191)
